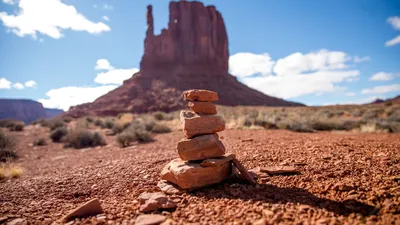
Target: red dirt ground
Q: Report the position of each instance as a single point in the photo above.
(346, 178)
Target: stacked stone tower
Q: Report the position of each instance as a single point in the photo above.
(202, 159)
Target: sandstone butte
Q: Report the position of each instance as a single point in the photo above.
(191, 53)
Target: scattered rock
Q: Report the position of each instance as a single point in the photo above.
(90, 208)
(154, 201)
(168, 188)
(217, 161)
(279, 170)
(191, 175)
(200, 147)
(195, 124)
(243, 171)
(18, 221)
(203, 107)
(200, 95)
(260, 222)
(246, 140)
(150, 219)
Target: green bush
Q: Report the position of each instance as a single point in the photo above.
(159, 129)
(160, 115)
(58, 134)
(12, 125)
(67, 119)
(40, 142)
(394, 116)
(82, 138)
(133, 134)
(99, 123)
(299, 127)
(264, 123)
(7, 146)
(54, 124)
(117, 128)
(17, 126)
(108, 123)
(89, 119)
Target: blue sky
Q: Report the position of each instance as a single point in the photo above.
(68, 52)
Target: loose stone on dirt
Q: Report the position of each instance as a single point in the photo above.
(154, 201)
(90, 208)
(150, 219)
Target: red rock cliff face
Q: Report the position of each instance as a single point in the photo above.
(192, 53)
(196, 38)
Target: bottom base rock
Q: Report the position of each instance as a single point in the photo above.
(191, 175)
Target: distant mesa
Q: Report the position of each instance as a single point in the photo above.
(25, 110)
(192, 53)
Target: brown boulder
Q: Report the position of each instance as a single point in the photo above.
(154, 201)
(168, 188)
(90, 208)
(203, 107)
(191, 175)
(200, 147)
(200, 95)
(196, 124)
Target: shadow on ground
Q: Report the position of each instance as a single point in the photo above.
(273, 194)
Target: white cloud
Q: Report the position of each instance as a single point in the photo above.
(103, 64)
(314, 61)
(244, 64)
(10, 2)
(65, 97)
(4, 83)
(361, 59)
(381, 76)
(18, 86)
(382, 89)
(395, 22)
(295, 75)
(108, 7)
(50, 20)
(299, 84)
(116, 76)
(393, 41)
(31, 83)
(350, 94)
(106, 18)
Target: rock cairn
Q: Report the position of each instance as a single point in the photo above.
(202, 159)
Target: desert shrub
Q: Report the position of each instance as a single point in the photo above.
(38, 121)
(82, 138)
(357, 113)
(12, 125)
(17, 126)
(53, 124)
(394, 127)
(58, 134)
(245, 121)
(350, 124)
(117, 128)
(67, 119)
(159, 129)
(15, 172)
(108, 123)
(89, 119)
(388, 103)
(264, 123)
(394, 116)
(126, 138)
(7, 146)
(372, 114)
(160, 115)
(324, 125)
(134, 133)
(99, 123)
(40, 142)
(82, 123)
(299, 127)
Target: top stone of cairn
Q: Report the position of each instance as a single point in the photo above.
(200, 95)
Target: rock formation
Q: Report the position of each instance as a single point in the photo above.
(191, 53)
(202, 159)
(25, 110)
